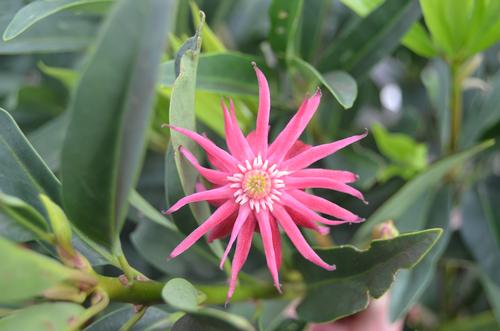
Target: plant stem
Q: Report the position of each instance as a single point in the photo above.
(149, 292)
(456, 106)
(134, 319)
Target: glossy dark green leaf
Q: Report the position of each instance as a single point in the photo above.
(116, 319)
(284, 34)
(339, 83)
(359, 274)
(364, 43)
(314, 18)
(410, 284)
(212, 320)
(24, 174)
(25, 274)
(114, 97)
(38, 10)
(181, 294)
(405, 197)
(43, 317)
(228, 73)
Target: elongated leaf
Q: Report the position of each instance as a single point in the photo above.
(182, 115)
(359, 274)
(284, 34)
(340, 84)
(211, 42)
(404, 198)
(111, 112)
(229, 73)
(38, 10)
(212, 320)
(25, 274)
(19, 221)
(43, 317)
(410, 284)
(357, 50)
(24, 174)
(116, 319)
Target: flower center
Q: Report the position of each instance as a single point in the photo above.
(257, 184)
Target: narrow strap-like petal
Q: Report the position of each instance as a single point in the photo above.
(219, 215)
(297, 148)
(235, 140)
(304, 221)
(324, 206)
(262, 126)
(223, 229)
(276, 240)
(336, 175)
(297, 239)
(238, 224)
(213, 176)
(212, 149)
(291, 133)
(316, 153)
(319, 182)
(241, 253)
(305, 211)
(267, 241)
(199, 187)
(214, 194)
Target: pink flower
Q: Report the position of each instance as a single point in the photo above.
(260, 187)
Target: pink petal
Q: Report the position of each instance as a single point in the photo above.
(287, 138)
(336, 175)
(238, 224)
(324, 206)
(305, 221)
(319, 182)
(223, 229)
(236, 142)
(214, 194)
(267, 241)
(295, 205)
(316, 153)
(252, 140)
(216, 152)
(213, 176)
(297, 239)
(276, 240)
(262, 126)
(297, 148)
(240, 255)
(217, 202)
(219, 215)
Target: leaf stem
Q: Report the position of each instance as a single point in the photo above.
(134, 319)
(149, 292)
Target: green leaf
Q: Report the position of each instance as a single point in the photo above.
(43, 317)
(212, 320)
(38, 10)
(24, 174)
(181, 113)
(62, 33)
(284, 35)
(22, 222)
(482, 116)
(339, 83)
(114, 97)
(362, 7)
(25, 274)
(228, 73)
(211, 43)
(66, 76)
(181, 294)
(59, 222)
(407, 195)
(410, 284)
(408, 156)
(359, 274)
(418, 40)
(356, 50)
(437, 81)
(116, 319)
